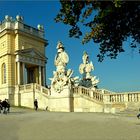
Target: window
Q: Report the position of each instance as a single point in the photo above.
(3, 73)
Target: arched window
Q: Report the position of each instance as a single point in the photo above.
(3, 73)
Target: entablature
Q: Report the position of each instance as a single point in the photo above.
(31, 56)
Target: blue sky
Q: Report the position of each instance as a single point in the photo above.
(121, 74)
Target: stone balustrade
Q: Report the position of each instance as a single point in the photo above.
(33, 31)
(26, 88)
(125, 97)
(108, 96)
(42, 89)
(117, 98)
(84, 98)
(35, 87)
(94, 94)
(97, 96)
(18, 25)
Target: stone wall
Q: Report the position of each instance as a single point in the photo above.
(77, 99)
(61, 102)
(89, 100)
(85, 104)
(26, 94)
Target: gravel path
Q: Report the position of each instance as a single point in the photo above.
(26, 124)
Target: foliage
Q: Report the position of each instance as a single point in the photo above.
(110, 23)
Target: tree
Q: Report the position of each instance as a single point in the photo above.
(110, 23)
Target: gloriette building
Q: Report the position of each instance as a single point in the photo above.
(22, 56)
(23, 75)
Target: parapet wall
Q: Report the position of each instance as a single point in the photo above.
(26, 94)
(107, 101)
(76, 99)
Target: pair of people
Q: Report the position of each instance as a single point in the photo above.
(5, 106)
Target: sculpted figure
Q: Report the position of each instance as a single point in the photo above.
(85, 58)
(61, 58)
(85, 69)
(62, 76)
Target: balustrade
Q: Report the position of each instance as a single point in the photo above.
(93, 94)
(21, 26)
(107, 96)
(88, 92)
(21, 87)
(28, 86)
(32, 87)
(37, 87)
(32, 30)
(44, 90)
(126, 97)
(133, 97)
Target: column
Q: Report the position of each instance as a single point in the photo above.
(43, 76)
(125, 97)
(25, 70)
(18, 72)
(24, 74)
(40, 75)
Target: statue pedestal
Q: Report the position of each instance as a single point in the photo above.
(61, 102)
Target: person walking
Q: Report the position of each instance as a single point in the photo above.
(4, 105)
(8, 106)
(36, 104)
(1, 106)
(138, 116)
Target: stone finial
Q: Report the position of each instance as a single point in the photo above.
(40, 27)
(8, 18)
(19, 18)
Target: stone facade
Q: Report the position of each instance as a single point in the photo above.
(22, 56)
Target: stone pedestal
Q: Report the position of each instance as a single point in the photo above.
(61, 102)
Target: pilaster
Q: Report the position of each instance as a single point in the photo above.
(18, 73)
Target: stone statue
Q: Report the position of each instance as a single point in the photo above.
(62, 76)
(61, 58)
(85, 69)
(85, 58)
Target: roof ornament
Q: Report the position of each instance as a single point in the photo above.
(19, 18)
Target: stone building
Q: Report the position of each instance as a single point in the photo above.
(23, 75)
(22, 55)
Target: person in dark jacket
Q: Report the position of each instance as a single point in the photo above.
(4, 105)
(138, 116)
(1, 106)
(36, 104)
(8, 106)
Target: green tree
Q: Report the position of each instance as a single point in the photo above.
(110, 23)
